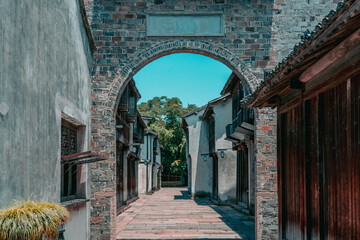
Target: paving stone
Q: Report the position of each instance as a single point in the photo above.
(162, 216)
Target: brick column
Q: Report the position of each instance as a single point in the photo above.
(266, 198)
(103, 175)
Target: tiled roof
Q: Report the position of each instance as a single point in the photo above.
(309, 43)
(211, 102)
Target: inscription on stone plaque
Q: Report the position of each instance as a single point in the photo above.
(185, 24)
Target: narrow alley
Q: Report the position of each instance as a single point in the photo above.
(170, 214)
(189, 119)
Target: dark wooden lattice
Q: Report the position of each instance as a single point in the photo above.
(68, 170)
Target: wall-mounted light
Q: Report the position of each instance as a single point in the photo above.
(134, 149)
(205, 156)
(222, 151)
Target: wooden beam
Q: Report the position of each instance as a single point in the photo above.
(279, 169)
(76, 155)
(348, 49)
(325, 81)
(289, 105)
(89, 156)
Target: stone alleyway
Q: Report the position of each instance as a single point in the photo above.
(170, 214)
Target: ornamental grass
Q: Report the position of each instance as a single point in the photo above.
(27, 219)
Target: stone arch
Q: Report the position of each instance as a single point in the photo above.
(219, 53)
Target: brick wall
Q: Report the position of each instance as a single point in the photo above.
(291, 18)
(266, 204)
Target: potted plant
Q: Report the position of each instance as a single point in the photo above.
(27, 219)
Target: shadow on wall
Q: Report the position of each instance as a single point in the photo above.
(228, 196)
(235, 220)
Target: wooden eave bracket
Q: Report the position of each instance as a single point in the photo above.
(295, 83)
(274, 101)
(84, 157)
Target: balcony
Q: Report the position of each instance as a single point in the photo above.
(242, 127)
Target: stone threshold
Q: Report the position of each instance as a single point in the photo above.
(131, 200)
(123, 209)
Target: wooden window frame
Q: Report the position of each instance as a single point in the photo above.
(72, 181)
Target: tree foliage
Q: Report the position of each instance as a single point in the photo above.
(166, 116)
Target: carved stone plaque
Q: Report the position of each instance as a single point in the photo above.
(185, 24)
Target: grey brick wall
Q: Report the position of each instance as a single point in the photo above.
(266, 204)
(291, 18)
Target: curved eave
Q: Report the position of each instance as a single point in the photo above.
(335, 28)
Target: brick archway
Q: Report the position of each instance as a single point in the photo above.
(103, 122)
(221, 54)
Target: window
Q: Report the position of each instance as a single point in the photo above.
(132, 106)
(68, 170)
(236, 98)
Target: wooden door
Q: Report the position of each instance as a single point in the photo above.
(120, 201)
(339, 140)
(314, 172)
(129, 178)
(243, 177)
(215, 185)
(328, 206)
(290, 178)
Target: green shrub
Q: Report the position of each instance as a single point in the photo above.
(27, 219)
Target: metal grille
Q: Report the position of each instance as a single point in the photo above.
(68, 170)
(68, 140)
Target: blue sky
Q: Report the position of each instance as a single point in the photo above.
(191, 77)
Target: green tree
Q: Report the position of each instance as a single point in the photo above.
(166, 116)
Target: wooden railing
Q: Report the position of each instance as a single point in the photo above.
(171, 181)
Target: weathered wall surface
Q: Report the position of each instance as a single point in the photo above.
(227, 164)
(45, 66)
(201, 171)
(78, 223)
(44, 58)
(142, 178)
(227, 176)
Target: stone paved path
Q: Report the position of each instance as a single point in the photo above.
(170, 214)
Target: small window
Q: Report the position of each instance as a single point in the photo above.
(69, 146)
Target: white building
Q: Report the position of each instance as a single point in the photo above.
(210, 158)
(150, 163)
